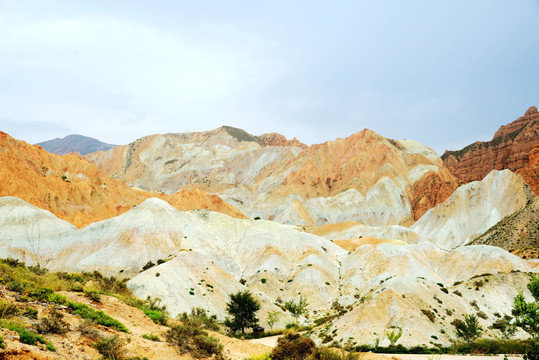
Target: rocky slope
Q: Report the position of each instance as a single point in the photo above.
(518, 232)
(75, 190)
(208, 255)
(79, 144)
(474, 208)
(364, 178)
(509, 149)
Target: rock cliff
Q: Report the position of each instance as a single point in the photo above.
(509, 149)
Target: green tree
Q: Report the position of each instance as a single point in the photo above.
(394, 336)
(469, 329)
(242, 307)
(527, 317)
(297, 309)
(273, 316)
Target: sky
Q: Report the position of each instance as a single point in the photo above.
(443, 73)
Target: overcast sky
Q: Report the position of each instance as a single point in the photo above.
(443, 73)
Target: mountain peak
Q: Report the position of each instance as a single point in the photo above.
(79, 144)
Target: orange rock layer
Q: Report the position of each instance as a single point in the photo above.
(76, 191)
(531, 173)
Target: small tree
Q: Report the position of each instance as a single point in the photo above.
(297, 309)
(273, 316)
(242, 307)
(469, 329)
(527, 317)
(393, 336)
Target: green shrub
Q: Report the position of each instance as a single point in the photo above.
(87, 328)
(151, 337)
(2, 343)
(8, 309)
(111, 347)
(50, 346)
(29, 337)
(293, 347)
(30, 313)
(93, 295)
(190, 338)
(86, 312)
(200, 318)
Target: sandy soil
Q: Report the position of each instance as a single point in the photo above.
(452, 357)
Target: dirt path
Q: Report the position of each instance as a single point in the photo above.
(270, 341)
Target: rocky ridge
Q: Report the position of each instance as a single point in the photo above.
(509, 149)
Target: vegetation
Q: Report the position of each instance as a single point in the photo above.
(242, 307)
(111, 347)
(293, 346)
(53, 324)
(297, 309)
(190, 338)
(273, 317)
(469, 329)
(151, 337)
(393, 336)
(527, 317)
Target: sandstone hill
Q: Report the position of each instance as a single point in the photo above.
(75, 190)
(509, 149)
(79, 144)
(206, 255)
(364, 178)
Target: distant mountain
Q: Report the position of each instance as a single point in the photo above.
(510, 148)
(79, 144)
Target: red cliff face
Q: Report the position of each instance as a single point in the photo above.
(509, 149)
(531, 173)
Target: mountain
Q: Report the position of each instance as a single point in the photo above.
(79, 144)
(201, 256)
(364, 178)
(509, 149)
(75, 190)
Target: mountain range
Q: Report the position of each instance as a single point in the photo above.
(79, 144)
(391, 234)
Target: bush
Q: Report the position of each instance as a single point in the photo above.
(328, 354)
(199, 318)
(8, 309)
(50, 346)
(87, 328)
(53, 324)
(2, 343)
(190, 338)
(151, 337)
(293, 347)
(242, 307)
(30, 313)
(93, 295)
(30, 338)
(154, 310)
(111, 347)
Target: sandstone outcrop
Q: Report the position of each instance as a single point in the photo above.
(77, 191)
(509, 149)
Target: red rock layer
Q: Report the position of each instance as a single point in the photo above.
(531, 173)
(509, 149)
(75, 190)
